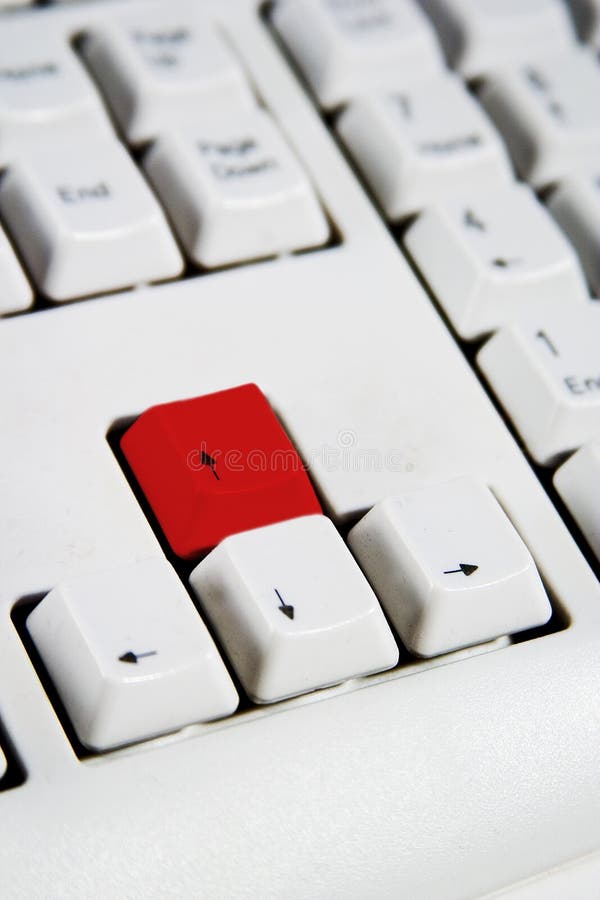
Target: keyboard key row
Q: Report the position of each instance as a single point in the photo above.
(130, 656)
(86, 222)
(156, 71)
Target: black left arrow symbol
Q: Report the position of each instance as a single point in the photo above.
(502, 263)
(466, 569)
(131, 657)
(285, 608)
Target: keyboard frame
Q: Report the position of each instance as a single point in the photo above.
(448, 780)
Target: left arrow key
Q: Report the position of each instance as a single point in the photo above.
(179, 680)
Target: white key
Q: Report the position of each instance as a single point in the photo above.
(478, 35)
(158, 69)
(578, 483)
(449, 567)
(587, 18)
(425, 142)
(3, 764)
(545, 370)
(234, 190)
(85, 221)
(548, 114)
(292, 609)
(15, 291)
(129, 655)
(489, 256)
(575, 205)
(345, 47)
(45, 95)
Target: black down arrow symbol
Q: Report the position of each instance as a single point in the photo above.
(284, 607)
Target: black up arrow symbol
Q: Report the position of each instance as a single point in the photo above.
(131, 657)
(207, 460)
(283, 607)
(466, 568)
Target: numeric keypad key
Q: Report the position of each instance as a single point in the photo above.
(545, 371)
(478, 35)
(420, 144)
(575, 205)
(488, 256)
(345, 47)
(547, 110)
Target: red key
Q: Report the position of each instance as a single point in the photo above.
(216, 465)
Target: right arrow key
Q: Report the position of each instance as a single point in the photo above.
(411, 549)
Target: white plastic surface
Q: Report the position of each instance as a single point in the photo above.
(234, 190)
(416, 146)
(449, 568)
(85, 221)
(129, 655)
(449, 782)
(2, 764)
(545, 370)
(45, 94)
(575, 205)
(578, 483)
(346, 47)
(547, 111)
(292, 609)
(478, 35)
(157, 70)
(489, 256)
(15, 290)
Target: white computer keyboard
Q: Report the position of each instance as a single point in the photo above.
(300, 458)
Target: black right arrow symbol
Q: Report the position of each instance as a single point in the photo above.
(466, 568)
(284, 607)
